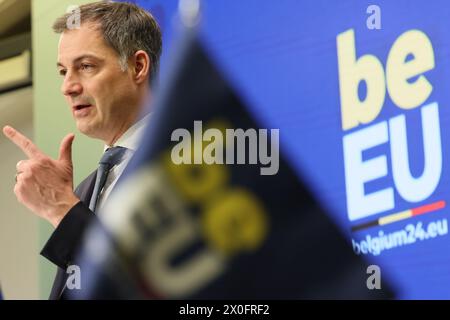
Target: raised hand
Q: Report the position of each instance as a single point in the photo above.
(44, 185)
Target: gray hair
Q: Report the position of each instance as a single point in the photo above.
(125, 27)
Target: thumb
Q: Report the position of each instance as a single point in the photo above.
(65, 149)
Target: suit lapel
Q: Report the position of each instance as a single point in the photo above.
(85, 189)
(84, 192)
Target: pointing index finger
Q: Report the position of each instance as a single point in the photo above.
(25, 144)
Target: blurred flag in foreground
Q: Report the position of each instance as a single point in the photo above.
(214, 231)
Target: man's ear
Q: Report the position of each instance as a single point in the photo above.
(141, 66)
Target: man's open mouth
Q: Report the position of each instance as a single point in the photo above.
(82, 106)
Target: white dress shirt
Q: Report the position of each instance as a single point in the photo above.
(130, 140)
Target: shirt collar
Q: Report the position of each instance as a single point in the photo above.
(130, 139)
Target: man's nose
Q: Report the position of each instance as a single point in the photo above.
(71, 86)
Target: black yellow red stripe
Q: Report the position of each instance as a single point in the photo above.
(402, 215)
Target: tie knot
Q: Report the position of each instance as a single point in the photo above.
(112, 156)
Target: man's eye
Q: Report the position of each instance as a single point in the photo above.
(62, 72)
(86, 66)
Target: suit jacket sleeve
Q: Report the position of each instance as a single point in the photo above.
(63, 244)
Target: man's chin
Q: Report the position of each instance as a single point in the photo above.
(87, 130)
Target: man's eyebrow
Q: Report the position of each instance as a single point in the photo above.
(84, 56)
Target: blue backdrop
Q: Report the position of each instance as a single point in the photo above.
(282, 58)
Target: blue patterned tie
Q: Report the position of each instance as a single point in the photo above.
(111, 157)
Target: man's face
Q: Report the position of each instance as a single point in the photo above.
(104, 100)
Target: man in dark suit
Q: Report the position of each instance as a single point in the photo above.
(106, 63)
